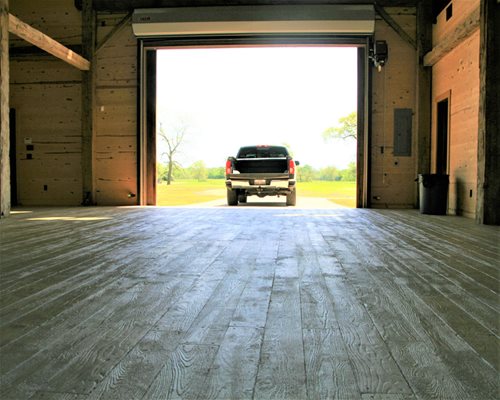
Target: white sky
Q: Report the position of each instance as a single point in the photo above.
(232, 97)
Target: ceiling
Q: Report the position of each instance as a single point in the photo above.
(128, 5)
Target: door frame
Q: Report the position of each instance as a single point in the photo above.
(440, 166)
(146, 162)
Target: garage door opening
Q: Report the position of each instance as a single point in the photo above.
(212, 101)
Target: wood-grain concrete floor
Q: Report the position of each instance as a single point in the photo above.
(247, 303)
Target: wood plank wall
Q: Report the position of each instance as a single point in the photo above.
(116, 114)
(4, 110)
(46, 94)
(457, 73)
(53, 176)
(392, 177)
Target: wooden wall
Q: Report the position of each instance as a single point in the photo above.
(5, 203)
(116, 114)
(46, 94)
(392, 177)
(457, 74)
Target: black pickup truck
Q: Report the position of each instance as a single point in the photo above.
(261, 171)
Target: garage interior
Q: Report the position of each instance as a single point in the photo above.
(105, 296)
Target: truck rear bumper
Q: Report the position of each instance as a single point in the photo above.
(274, 188)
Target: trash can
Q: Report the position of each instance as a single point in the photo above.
(433, 193)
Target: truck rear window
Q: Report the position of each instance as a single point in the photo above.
(262, 152)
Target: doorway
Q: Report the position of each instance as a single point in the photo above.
(442, 137)
(149, 50)
(300, 97)
(12, 157)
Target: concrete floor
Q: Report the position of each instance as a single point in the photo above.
(247, 303)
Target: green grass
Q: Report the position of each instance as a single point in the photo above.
(339, 192)
(183, 192)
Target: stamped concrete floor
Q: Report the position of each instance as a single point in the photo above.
(247, 303)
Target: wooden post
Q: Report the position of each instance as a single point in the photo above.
(423, 89)
(363, 135)
(4, 110)
(88, 89)
(488, 182)
(151, 127)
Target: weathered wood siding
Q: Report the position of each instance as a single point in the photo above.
(458, 73)
(58, 19)
(4, 110)
(46, 95)
(392, 177)
(442, 29)
(116, 114)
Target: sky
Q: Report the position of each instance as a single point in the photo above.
(233, 97)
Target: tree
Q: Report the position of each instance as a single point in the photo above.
(161, 172)
(349, 174)
(306, 173)
(347, 128)
(173, 141)
(199, 170)
(328, 174)
(216, 173)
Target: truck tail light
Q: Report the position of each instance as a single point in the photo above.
(291, 167)
(229, 167)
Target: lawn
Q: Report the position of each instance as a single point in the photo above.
(339, 192)
(182, 192)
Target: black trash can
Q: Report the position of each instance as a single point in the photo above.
(433, 193)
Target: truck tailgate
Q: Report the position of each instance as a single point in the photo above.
(259, 176)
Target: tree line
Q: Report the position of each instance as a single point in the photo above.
(345, 130)
(305, 173)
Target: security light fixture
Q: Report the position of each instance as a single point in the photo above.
(379, 54)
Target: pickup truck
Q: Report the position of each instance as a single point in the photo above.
(261, 171)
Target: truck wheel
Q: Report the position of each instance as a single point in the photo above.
(232, 198)
(242, 198)
(291, 198)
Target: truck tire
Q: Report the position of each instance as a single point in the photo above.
(291, 198)
(232, 197)
(242, 198)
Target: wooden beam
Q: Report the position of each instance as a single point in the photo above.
(4, 111)
(39, 39)
(394, 25)
(461, 32)
(423, 88)
(128, 5)
(117, 28)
